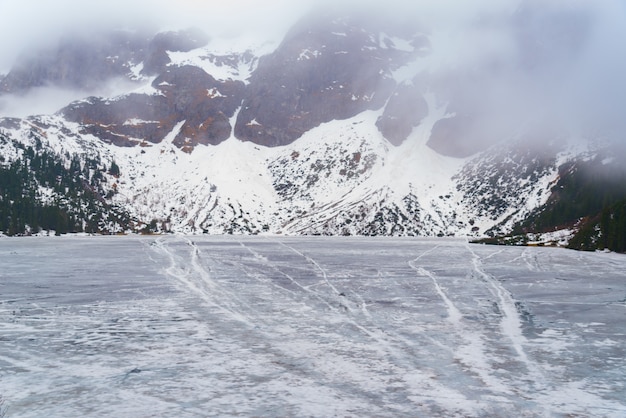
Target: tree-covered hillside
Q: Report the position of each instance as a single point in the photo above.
(589, 198)
(42, 191)
(604, 231)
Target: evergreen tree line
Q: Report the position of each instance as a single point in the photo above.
(592, 195)
(38, 193)
(606, 231)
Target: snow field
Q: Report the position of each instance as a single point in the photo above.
(267, 326)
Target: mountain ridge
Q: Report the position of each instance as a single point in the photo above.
(338, 130)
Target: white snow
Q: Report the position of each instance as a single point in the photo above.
(395, 42)
(204, 59)
(560, 237)
(162, 182)
(308, 54)
(135, 121)
(213, 93)
(135, 71)
(240, 54)
(147, 88)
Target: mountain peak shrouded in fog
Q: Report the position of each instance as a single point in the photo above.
(501, 66)
(32, 25)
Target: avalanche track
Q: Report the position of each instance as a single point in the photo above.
(286, 326)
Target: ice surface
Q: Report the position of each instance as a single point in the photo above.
(308, 326)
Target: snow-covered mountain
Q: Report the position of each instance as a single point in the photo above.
(350, 125)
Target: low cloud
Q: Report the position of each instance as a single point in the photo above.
(552, 65)
(50, 99)
(38, 101)
(34, 24)
(511, 61)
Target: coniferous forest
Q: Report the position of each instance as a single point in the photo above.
(40, 191)
(590, 198)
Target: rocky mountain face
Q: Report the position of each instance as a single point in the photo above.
(325, 69)
(339, 129)
(186, 94)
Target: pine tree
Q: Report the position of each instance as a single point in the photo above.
(115, 169)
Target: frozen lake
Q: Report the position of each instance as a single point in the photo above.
(278, 326)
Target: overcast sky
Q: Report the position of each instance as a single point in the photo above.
(29, 23)
(464, 33)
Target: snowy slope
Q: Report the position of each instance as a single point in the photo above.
(340, 178)
(334, 180)
(226, 58)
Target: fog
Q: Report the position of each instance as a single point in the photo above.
(33, 24)
(458, 24)
(511, 63)
(49, 99)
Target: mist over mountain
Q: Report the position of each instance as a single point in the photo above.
(407, 119)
